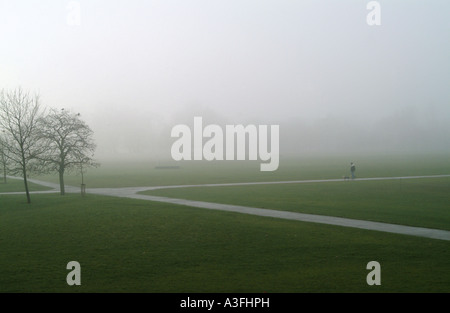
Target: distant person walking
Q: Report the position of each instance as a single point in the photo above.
(352, 169)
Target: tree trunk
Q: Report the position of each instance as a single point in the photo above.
(25, 181)
(61, 182)
(24, 172)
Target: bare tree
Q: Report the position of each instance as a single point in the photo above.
(68, 141)
(82, 166)
(19, 113)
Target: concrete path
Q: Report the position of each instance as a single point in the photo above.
(132, 192)
(140, 189)
(330, 220)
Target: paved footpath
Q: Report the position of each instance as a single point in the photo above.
(132, 192)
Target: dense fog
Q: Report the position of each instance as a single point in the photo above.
(332, 82)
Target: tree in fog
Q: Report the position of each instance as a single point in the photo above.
(19, 113)
(3, 156)
(68, 141)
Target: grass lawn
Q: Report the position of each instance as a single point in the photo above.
(146, 173)
(16, 185)
(126, 245)
(420, 202)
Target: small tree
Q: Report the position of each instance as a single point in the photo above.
(19, 113)
(82, 166)
(68, 142)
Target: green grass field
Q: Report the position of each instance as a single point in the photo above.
(126, 245)
(16, 185)
(145, 173)
(417, 202)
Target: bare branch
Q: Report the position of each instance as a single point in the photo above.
(68, 141)
(19, 112)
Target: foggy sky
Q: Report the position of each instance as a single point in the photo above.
(134, 69)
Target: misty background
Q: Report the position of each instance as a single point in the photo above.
(335, 85)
